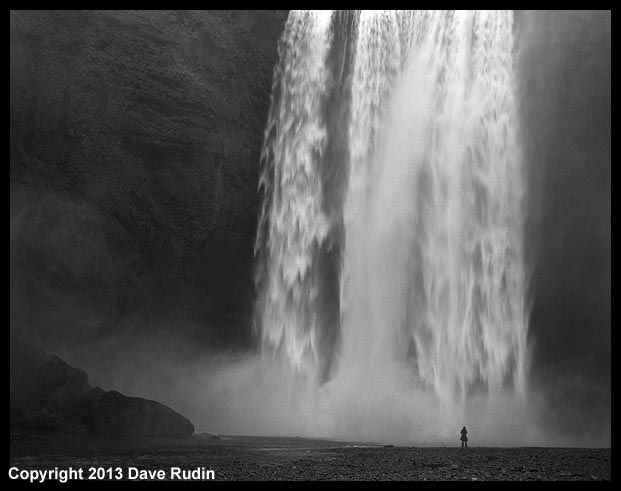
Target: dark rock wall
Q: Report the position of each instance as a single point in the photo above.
(135, 144)
(565, 102)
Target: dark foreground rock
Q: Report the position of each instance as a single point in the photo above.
(113, 414)
(47, 396)
(45, 392)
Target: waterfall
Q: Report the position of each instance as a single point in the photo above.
(390, 242)
(293, 225)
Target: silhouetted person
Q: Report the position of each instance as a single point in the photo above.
(464, 437)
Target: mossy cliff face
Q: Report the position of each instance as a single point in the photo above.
(135, 147)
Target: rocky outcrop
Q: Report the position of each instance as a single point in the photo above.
(47, 395)
(113, 414)
(45, 392)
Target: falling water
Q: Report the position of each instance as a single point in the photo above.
(392, 186)
(293, 225)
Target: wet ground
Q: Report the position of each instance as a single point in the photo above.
(261, 458)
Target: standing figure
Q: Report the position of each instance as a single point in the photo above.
(464, 437)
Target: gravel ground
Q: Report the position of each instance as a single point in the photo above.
(260, 458)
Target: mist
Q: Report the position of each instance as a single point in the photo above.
(245, 394)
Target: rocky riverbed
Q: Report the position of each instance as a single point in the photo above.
(263, 458)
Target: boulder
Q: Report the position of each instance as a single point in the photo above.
(48, 395)
(45, 391)
(113, 414)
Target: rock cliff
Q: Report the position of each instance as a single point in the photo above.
(135, 147)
